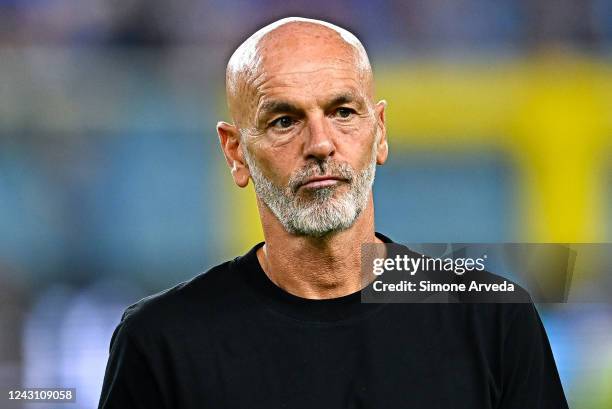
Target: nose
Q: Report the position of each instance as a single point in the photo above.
(319, 142)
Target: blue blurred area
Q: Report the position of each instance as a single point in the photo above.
(152, 213)
(439, 197)
(112, 185)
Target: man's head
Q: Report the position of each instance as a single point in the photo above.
(306, 128)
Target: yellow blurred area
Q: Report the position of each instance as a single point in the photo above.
(549, 113)
(245, 222)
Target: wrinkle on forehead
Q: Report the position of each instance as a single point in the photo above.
(245, 69)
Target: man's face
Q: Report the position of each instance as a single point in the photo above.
(311, 144)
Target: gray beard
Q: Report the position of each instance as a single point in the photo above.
(320, 211)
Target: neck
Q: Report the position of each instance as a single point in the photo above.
(315, 267)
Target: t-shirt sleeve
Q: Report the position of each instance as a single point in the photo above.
(529, 374)
(129, 381)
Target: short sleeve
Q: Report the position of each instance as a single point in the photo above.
(529, 374)
(129, 381)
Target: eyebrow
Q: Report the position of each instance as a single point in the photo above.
(273, 107)
(348, 97)
(276, 107)
(341, 99)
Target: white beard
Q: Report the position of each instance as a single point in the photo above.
(324, 210)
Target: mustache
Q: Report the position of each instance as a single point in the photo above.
(340, 170)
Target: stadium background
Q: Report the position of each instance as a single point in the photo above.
(112, 185)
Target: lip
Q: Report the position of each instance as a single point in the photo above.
(321, 181)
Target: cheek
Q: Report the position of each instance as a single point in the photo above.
(353, 128)
(357, 143)
(277, 164)
(360, 130)
(282, 142)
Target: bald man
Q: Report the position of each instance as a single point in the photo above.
(283, 326)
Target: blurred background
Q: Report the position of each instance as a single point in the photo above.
(112, 185)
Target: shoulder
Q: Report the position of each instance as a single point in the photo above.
(178, 306)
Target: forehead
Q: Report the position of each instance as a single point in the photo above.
(294, 62)
(309, 77)
(313, 71)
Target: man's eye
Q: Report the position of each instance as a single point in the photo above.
(344, 112)
(282, 122)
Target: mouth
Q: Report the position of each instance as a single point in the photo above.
(318, 182)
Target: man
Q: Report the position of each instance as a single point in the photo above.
(283, 326)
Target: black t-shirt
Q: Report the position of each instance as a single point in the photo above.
(230, 338)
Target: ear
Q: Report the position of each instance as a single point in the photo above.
(383, 147)
(229, 138)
